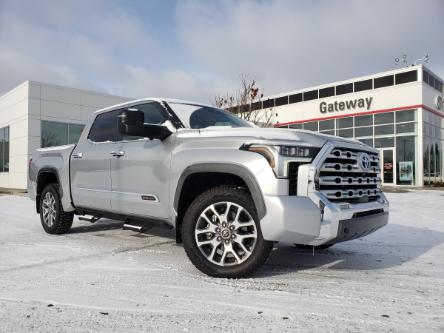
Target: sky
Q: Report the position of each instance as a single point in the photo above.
(197, 50)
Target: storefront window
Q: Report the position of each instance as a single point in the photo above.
(311, 126)
(384, 142)
(4, 149)
(384, 129)
(363, 131)
(344, 122)
(57, 134)
(384, 118)
(364, 120)
(405, 160)
(327, 125)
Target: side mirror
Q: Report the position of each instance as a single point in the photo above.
(132, 123)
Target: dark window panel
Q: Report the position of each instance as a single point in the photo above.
(405, 128)
(311, 126)
(431, 80)
(281, 101)
(344, 89)
(326, 125)
(296, 98)
(345, 133)
(310, 95)
(269, 103)
(105, 127)
(363, 131)
(245, 108)
(296, 126)
(384, 142)
(256, 106)
(425, 76)
(406, 77)
(363, 85)
(368, 142)
(330, 132)
(384, 118)
(384, 129)
(344, 122)
(402, 116)
(326, 92)
(364, 120)
(384, 81)
(53, 134)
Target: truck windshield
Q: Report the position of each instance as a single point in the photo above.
(199, 116)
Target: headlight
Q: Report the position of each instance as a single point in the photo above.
(279, 156)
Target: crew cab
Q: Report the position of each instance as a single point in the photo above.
(230, 189)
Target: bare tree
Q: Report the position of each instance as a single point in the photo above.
(246, 103)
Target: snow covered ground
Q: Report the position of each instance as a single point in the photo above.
(102, 278)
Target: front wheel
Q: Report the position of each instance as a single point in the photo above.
(221, 233)
(54, 219)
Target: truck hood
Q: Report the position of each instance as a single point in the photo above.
(285, 136)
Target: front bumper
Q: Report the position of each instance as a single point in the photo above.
(302, 220)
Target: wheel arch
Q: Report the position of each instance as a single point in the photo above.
(46, 176)
(229, 172)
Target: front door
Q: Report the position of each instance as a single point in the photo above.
(388, 170)
(140, 170)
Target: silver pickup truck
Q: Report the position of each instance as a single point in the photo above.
(230, 189)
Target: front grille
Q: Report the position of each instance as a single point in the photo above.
(343, 179)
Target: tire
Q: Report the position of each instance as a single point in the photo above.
(52, 216)
(316, 248)
(220, 243)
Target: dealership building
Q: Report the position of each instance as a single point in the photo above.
(399, 112)
(35, 115)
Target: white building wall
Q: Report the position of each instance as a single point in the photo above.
(23, 108)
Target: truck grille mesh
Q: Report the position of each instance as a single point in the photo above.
(342, 178)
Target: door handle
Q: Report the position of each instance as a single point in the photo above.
(77, 155)
(119, 153)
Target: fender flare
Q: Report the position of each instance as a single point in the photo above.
(245, 174)
(47, 170)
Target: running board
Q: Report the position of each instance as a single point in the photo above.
(132, 227)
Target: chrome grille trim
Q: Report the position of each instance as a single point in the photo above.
(343, 179)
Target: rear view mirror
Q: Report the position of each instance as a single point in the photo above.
(132, 123)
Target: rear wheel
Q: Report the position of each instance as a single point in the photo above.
(221, 233)
(52, 216)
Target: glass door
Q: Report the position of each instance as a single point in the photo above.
(388, 170)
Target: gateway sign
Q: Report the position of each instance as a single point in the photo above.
(352, 104)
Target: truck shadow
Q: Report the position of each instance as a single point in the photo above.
(389, 247)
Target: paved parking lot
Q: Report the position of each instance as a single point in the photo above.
(100, 277)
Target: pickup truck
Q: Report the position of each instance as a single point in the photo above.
(230, 189)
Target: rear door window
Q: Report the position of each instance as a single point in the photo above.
(105, 127)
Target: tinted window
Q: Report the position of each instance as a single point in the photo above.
(405, 128)
(425, 76)
(326, 92)
(384, 81)
(256, 106)
(402, 116)
(364, 131)
(344, 89)
(296, 126)
(206, 117)
(269, 103)
(345, 133)
(53, 134)
(281, 101)
(344, 122)
(384, 142)
(310, 95)
(384, 129)
(363, 85)
(4, 149)
(154, 113)
(326, 124)
(296, 98)
(368, 142)
(311, 126)
(105, 127)
(406, 77)
(363, 120)
(384, 118)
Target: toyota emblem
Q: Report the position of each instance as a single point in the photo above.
(364, 161)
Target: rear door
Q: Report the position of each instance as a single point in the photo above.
(90, 163)
(140, 170)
